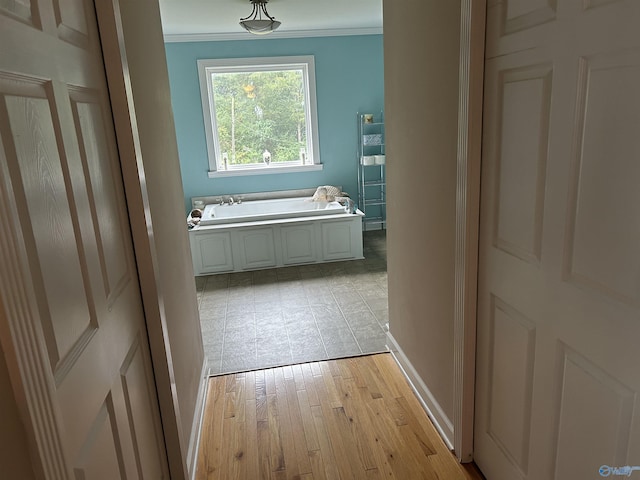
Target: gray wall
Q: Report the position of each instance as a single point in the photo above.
(421, 54)
(150, 84)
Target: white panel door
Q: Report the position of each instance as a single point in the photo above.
(70, 303)
(558, 362)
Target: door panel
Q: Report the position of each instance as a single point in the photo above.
(602, 246)
(559, 267)
(523, 131)
(70, 16)
(74, 258)
(511, 357)
(140, 407)
(523, 14)
(101, 454)
(107, 216)
(20, 9)
(37, 168)
(609, 410)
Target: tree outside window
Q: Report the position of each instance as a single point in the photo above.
(259, 113)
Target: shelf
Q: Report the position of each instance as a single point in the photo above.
(371, 178)
(372, 140)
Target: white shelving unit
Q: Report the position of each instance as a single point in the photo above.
(372, 194)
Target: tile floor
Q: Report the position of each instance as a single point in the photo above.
(297, 314)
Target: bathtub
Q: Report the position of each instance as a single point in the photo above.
(259, 210)
(272, 233)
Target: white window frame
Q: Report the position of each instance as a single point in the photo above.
(305, 63)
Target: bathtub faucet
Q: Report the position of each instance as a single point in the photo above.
(230, 200)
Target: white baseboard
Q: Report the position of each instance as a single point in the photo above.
(443, 424)
(196, 428)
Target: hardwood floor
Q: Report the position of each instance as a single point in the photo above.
(354, 418)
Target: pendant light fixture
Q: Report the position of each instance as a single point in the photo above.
(259, 22)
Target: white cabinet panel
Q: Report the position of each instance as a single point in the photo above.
(211, 252)
(298, 244)
(255, 248)
(336, 240)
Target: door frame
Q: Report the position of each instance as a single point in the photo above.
(470, 96)
(112, 39)
(472, 52)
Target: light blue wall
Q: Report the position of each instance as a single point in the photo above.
(349, 79)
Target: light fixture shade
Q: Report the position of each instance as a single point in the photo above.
(260, 27)
(255, 23)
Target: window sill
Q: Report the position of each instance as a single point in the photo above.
(263, 171)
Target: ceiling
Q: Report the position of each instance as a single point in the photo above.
(218, 19)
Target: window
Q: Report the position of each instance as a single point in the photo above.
(260, 115)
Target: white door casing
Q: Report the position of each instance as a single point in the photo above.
(559, 264)
(471, 75)
(70, 311)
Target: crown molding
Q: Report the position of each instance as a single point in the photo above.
(219, 37)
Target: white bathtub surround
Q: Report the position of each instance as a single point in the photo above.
(263, 234)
